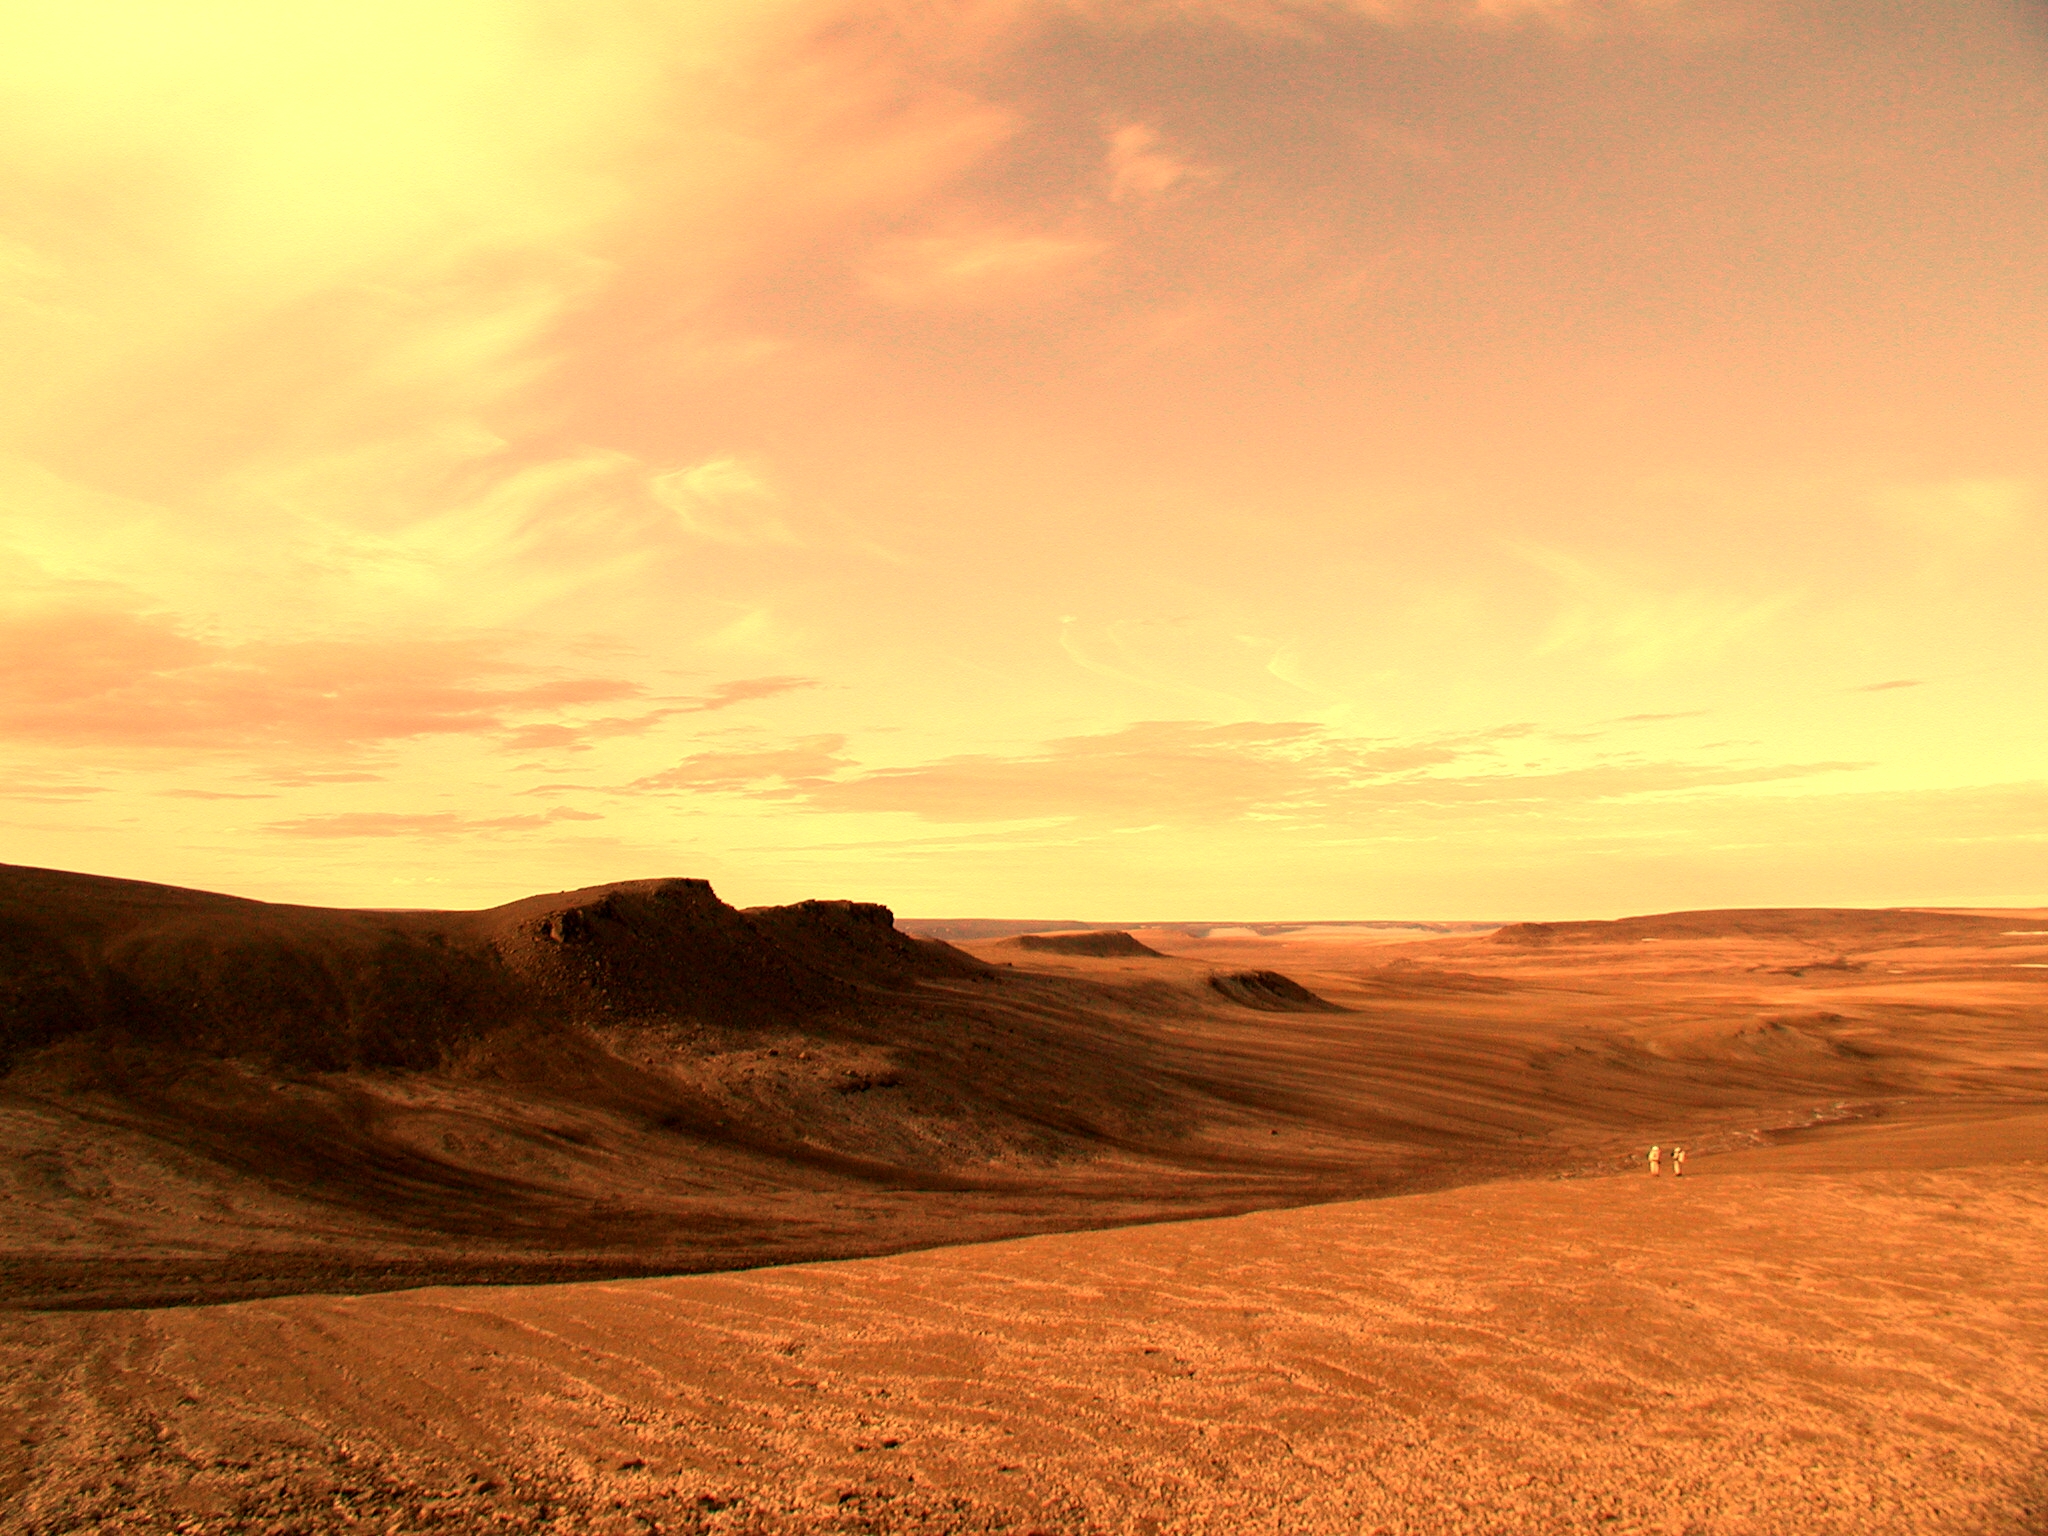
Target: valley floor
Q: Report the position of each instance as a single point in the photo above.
(1847, 1332)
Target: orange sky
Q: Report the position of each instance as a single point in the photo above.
(1099, 458)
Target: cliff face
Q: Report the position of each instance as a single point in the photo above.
(327, 990)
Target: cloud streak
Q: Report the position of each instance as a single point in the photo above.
(583, 734)
(792, 772)
(1289, 774)
(429, 825)
(95, 679)
(136, 680)
(1639, 627)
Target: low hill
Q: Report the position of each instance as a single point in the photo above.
(1270, 992)
(1835, 926)
(1101, 943)
(331, 990)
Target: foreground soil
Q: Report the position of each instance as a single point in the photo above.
(1848, 1333)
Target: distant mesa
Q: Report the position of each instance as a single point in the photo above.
(1817, 925)
(1270, 992)
(974, 930)
(1104, 944)
(970, 930)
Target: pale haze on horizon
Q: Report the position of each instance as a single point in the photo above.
(1161, 459)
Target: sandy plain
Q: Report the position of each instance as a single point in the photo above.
(1835, 1322)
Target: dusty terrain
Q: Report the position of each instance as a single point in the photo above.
(1835, 1322)
(1760, 1348)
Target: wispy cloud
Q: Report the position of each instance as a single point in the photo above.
(48, 792)
(582, 734)
(724, 500)
(1897, 682)
(433, 824)
(1191, 773)
(1639, 625)
(1568, 15)
(1139, 168)
(295, 779)
(788, 772)
(95, 678)
(744, 691)
(1964, 515)
(1185, 773)
(974, 268)
(103, 679)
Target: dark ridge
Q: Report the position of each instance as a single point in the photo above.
(857, 941)
(1103, 943)
(328, 989)
(1270, 992)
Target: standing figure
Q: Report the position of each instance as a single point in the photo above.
(1655, 1154)
(1678, 1162)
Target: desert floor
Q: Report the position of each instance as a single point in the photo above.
(1837, 1321)
(1848, 1335)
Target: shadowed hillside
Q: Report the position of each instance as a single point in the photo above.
(327, 990)
(612, 1078)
